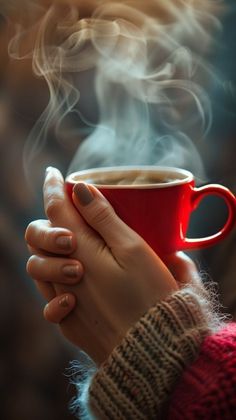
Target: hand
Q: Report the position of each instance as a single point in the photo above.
(122, 277)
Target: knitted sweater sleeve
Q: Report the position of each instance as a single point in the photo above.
(207, 388)
(136, 380)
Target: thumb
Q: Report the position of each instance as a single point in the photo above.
(100, 215)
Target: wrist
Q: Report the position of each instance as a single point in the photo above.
(150, 358)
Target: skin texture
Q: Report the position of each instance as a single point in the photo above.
(115, 276)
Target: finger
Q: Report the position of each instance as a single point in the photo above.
(54, 269)
(58, 207)
(59, 307)
(46, 289)
(183, 269)
(53, 190)
(37, 251)
(100, 215)
(61, 212)
(41, 235)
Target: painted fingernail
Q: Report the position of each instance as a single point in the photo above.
(64, 302)
(64, 242)
(83, 193)
(71, 271)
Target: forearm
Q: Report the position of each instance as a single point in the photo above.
(141, 373)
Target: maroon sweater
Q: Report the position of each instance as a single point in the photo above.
(207, 389)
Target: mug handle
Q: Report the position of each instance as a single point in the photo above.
(197, 195)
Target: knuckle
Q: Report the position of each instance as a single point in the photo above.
(103, 215)
(53, 207)
(48, 315)
(41, 269)
(46, 238)
(134, 247)
(29, 232)
(30, 265)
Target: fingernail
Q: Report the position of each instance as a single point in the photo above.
(64, 301)
(71, 271)
(64, 242)
(83, 193)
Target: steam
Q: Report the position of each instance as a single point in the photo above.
(144, 66)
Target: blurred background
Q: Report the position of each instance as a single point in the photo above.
(33, 355)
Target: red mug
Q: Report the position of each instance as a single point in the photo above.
(157, 203)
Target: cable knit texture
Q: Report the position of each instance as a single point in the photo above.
(207, 389)
(138, 377)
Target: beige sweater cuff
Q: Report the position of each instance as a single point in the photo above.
(138, 377)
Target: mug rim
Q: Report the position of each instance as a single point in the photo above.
(186, 175)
